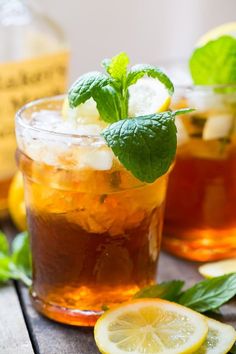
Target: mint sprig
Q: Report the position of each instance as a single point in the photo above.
(145, 145)
(206, 295)
(210, 294)
(115, 83)
(215, 62)
(169, 290)
(15, 265)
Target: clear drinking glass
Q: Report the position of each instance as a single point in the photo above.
(200, 222)
(95, 229)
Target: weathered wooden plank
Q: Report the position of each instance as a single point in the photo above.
(54, 338)
(14, 337)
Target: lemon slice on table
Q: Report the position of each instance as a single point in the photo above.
(215, 269)
(223, 30)
(150, 326)
(16, 203)
(220, 338)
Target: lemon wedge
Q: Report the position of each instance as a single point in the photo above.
(220, 338)
(225, 29)
(150, 326)
(148, 96)
(16, 203)
(215, 269)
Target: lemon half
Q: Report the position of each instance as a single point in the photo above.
(150, 326)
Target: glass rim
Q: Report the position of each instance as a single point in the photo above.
(21, 122)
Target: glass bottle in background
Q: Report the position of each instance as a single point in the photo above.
(33, 63)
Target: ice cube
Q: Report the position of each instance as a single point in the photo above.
(182, 134)
(217, 127)
(100, 160)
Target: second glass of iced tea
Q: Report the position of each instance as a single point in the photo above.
(200, 222)
(95, 229)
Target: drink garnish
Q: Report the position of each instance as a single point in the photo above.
(215, 62)
(145, 145)
(16, 264)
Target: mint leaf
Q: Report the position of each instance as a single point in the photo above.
(106, 63)
(5, 272)
(210, 294)
(166, 290)
(215, 62)
(4, 245)
(108, 104)
(140, 70)
(117, 66)
(85, 86)
(21, 255)
(145, 145)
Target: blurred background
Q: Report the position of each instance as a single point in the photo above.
(149, 30)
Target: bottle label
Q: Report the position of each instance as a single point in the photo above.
(20, 83)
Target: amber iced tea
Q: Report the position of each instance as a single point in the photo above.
(95, 229)
(200, 221)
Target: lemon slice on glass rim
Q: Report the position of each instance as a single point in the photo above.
(150, 326)
(220, 338)
(227, 29)
(146, 96)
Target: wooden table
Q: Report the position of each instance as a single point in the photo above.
(24, 331)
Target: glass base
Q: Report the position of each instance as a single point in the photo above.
(65, 315)
(200, 249)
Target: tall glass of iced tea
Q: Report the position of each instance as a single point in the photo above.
(200, 221)
(95, 228)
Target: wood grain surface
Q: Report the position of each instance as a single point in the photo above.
(14, 337)
(48, 337)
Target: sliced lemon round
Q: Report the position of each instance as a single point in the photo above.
(150, 326)
(16, 203)
(148, 96)
(215, 269)
(225, 29)
(220, 338)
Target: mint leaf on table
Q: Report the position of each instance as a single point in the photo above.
(209, 294)
(166, 290)
(4, 245)
(21, 255)
(5, 271)
(17, 265)
(145, 145)
(139, 70)
(215, 62)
